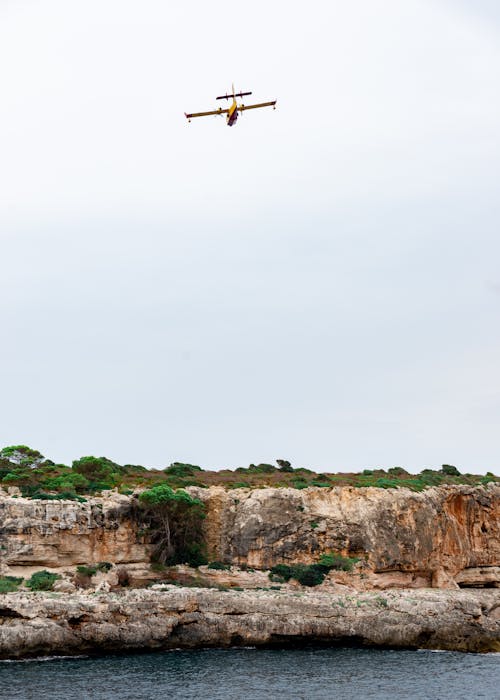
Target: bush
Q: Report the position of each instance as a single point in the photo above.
(311, 575)
(9, 584)
(320, 483)
(182, 470)
(299, 484)
(450, 470)
(42, 581)
(305, 574)
(104, 566)
(36, 493)
(219, 566)
(100, 472)
(281, 571)
(262, 468)
(397, 471)
(337, 561)
(385, 483)
(71, 482)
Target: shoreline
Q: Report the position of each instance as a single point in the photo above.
(140, 620)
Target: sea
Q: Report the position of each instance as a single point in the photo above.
(256, 674)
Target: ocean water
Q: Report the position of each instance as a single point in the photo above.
(256, 674)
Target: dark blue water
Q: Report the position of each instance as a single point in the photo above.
(238, 674)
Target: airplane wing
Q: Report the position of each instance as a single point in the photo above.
(206, 114)
(241, 108)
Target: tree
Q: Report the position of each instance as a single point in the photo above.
(450, 470)
(284, 465)
(175, 519)
(22, 455)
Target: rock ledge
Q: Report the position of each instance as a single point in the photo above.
(57, 623)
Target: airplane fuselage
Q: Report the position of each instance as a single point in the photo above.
(232, 115)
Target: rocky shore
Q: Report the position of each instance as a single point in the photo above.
(34, 624)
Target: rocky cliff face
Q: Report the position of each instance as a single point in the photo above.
(53, 534)
(406, 538)
(442, 537)
(32, 624)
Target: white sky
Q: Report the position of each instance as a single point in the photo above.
(320, 283)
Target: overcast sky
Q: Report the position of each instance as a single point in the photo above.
(319, 283)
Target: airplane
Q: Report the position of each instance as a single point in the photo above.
(234, 109)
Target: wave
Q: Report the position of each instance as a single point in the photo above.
(43, 658)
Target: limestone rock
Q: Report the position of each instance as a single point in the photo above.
(36, 623)
(442, 537)
(401, 535)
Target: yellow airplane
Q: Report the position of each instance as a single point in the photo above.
(234, 109)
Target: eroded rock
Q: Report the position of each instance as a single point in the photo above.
(188, 618)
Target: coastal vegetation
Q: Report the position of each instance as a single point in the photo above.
(174, 519)
(10, 584)
(312, 574)
(42, 581)
(41, 478)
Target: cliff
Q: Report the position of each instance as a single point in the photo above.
(436, 537)
(33, 624)
(443, 537)
(54, 534)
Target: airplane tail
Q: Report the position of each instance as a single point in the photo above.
(232, 94)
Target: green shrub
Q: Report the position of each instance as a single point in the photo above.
(219, 566)
(450, 470)
(337, 561)
(42, 581)
(181, 469)
(104, 566)
(262, 468)
(306, 574)
(36, 493)
(299, 484)
(87, 570)
(385, 483)
(311, 575)
(69, 482)
(100, 472)
(397, 471)
(9, 584)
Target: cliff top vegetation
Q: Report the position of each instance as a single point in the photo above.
(38, 477)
